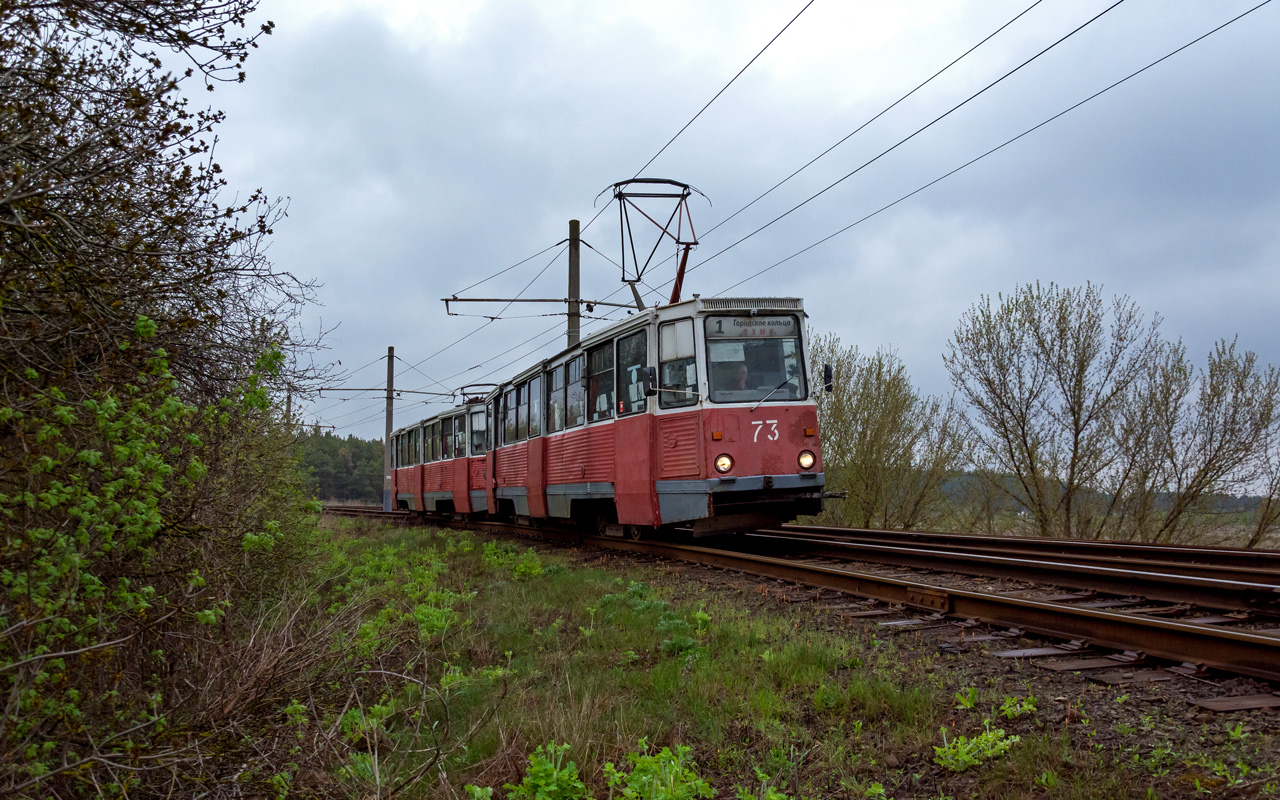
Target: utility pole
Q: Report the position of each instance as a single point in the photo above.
(575, 294)
(386, 450)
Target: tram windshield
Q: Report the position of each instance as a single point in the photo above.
(754, 359)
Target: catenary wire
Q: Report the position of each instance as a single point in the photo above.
(851, 134)
(490, 320)
(998, 147)
(882, 112)
(722, 90)
(907, 138)
(907, 196)
(758, 230)
(508, 269)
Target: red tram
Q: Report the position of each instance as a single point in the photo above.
(697, 414)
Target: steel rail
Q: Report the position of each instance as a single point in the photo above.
(1242, 652)
(1170, 583)
(1249, 559)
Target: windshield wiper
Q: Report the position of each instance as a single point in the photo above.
(771, 394)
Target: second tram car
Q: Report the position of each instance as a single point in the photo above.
(698, 414)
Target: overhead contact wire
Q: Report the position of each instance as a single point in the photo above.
(884, 111)
(998, 147)
(908, 138)
(722, 90)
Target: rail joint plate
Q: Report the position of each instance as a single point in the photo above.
(933, 599)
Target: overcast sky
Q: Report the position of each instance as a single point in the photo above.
(426, 145)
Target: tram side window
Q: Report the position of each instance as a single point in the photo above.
(460, 437)
(446, 438)
(429, 443)
(576, 394)
(509, 417)
(555, 399)
(522, 411)
(535, 406)
(479, 431)
(600, 382)
(633, 357)
(395, 452)
(677, 366)
(494, 422)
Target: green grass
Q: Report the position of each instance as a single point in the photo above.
(599, 659)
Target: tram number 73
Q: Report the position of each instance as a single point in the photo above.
(772, 434)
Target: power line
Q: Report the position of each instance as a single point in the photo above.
(722, 90)
(490, 321)
(828, 188)
(360, 410)
(907, 138)
(998, 147)
(508, 269)
(884, 111)
(858, 129)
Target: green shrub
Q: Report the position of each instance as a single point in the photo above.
(962, 753)
(548, 777)
(662, 776)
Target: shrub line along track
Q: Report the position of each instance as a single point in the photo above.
(1202, 645)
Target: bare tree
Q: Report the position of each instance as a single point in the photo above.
(1096, 426)
(883, 442)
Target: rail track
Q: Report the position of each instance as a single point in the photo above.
(1131, 613)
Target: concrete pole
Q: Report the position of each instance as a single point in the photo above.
(575, 320)
(386, 450)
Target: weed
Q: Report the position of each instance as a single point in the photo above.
(591, 627)
(662, 776)
(1047, 779)
(877, 792)
(503, 558)
(962, 753)
(967, 698)
(1017, 706)
(548, 777)
(528, 565)
(764, 792)
(827, 698)
(1237, 732)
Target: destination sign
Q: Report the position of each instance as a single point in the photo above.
(759, 327)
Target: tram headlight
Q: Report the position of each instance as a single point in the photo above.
(806, 459)
(724, 463)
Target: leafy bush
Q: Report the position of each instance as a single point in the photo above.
(962, 753)
(548, 777)
(662, 776)
(1012, 707)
